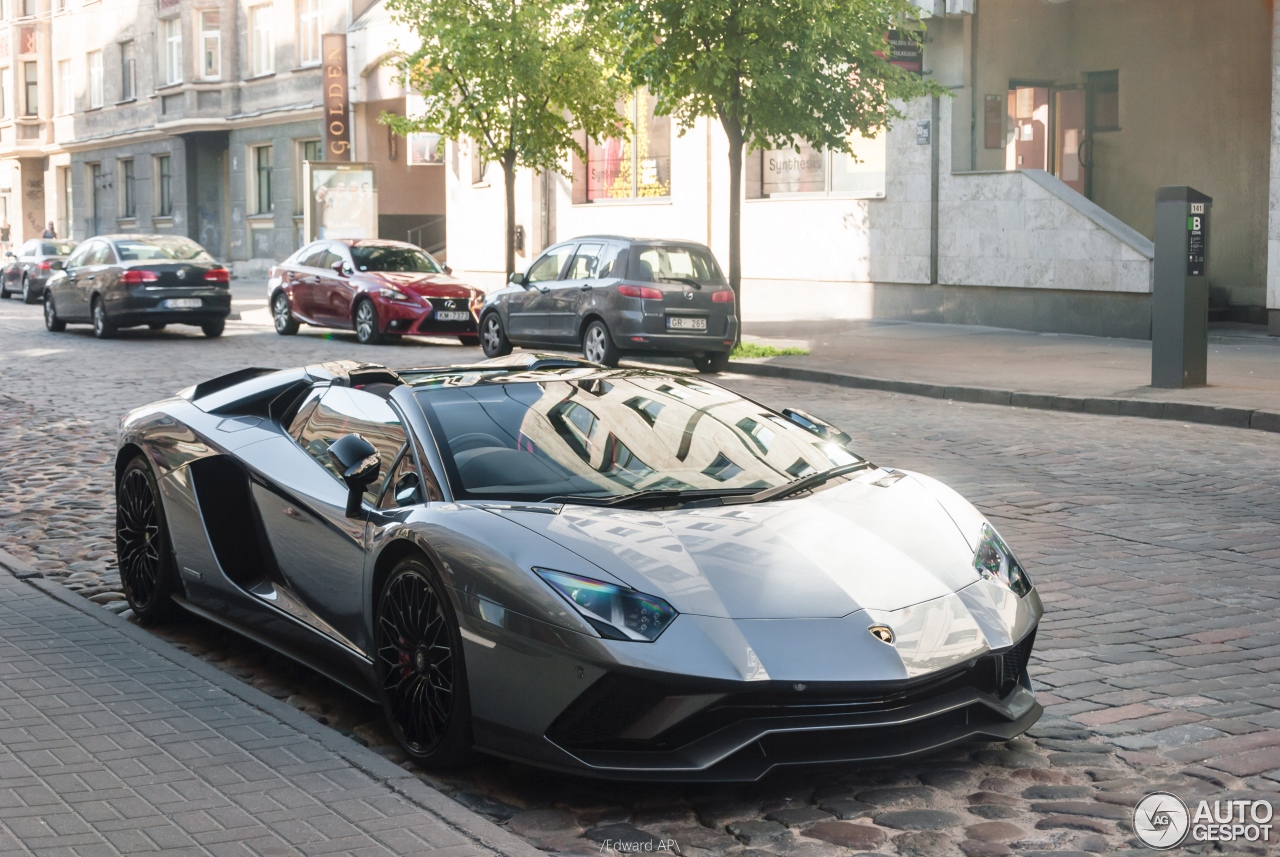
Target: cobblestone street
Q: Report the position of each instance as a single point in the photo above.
(1155, 546)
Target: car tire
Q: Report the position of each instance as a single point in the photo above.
(147, 570)
(4, 290)
(52, 323)
(597, 344)
(419, 657)
(28, 296)
(365, 321)
(157, 326)
(711, 362)
(493, 338)
(102, 326)
(213, 329)
(282, 315)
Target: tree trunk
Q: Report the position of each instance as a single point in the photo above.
(733, 130)
(509, 182)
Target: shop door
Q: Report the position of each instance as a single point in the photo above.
(1028, 146)
(1071, 142)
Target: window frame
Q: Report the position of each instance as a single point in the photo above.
(208, 34)
(164, 185)
(257, 176)
(753, 185)
(128, 70)
(171, 51)
(66, 94)
(30, 89)
(262, 60)
(310, 24)
(97, 81)
(630, 140)
(128, 196)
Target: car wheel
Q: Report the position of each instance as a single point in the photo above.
(52, 323)
(4, 291)
(286, 324)
(422, 679)
(714, 361)
(213, 329)
(597, 344)
(102, 326)
(366, 323)
(142, 544)
(493, 339)
(28, 296)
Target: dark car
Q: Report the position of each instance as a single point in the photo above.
(27, 270)
(611, 296)
(376, 288)
(115, 281)
(622, 573)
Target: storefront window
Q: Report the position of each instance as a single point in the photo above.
(806, 171)
(633, 165)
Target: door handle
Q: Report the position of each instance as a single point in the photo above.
(90, 277)
(586, 287)
(543, 289)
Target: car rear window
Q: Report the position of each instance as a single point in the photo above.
(676, 263)
(57, 249)
(162, 249)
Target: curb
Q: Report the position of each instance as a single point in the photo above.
(1187, 412)
(471, 825)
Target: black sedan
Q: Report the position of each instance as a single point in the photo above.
(27, 270)
(611, 296)
(116, 281)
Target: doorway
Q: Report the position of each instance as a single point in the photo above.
(1028, 144)
(1072, 144)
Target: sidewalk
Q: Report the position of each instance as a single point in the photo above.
(114, 742)
(1042, 370)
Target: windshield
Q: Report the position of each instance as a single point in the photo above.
(406, 259)
(61, 249)
(161, 249)
(675, 264)
(594, 435)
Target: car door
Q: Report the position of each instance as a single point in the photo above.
(528, 314)
(87, 279)
(63, 290)
(337, 291)
(570, 293)
(306, 281)
(319, 550)
(14, 267)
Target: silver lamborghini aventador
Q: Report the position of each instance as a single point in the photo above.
(621, 573)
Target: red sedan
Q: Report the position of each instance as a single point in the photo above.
(376, 288)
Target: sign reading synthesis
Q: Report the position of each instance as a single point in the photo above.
(337, 122)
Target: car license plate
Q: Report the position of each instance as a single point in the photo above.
(452, 315)
(684, 323)
(183, 303)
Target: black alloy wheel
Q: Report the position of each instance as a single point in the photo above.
(142, 544)
(422, 678)
(282, 315)
(102, 326)
(28, 296)
(712, 361)
(366, 323)
(493, 339)
(52, 323)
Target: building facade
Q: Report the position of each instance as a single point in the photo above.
(1025, 199)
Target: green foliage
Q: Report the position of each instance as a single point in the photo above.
(517, 78)
(749, 350)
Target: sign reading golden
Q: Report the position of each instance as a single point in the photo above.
(337, 124)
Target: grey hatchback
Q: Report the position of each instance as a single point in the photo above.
(610, 296)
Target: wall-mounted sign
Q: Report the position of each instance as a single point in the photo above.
(425, 149)
(1197, 239)
(337, 114)
(342, 200)
(27, 39)
(904, 51)
(924, 131)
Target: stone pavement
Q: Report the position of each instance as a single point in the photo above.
(1244, 363)
(114, 743)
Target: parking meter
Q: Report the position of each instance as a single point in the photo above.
(1180, 293)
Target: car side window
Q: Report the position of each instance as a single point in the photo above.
(343, 411)
(312, 257)
(586, 262)
(108, 255)
(81, 255)
(612, 262)
(31, 248)
(550, 264)
(331, 258)
(97, 253)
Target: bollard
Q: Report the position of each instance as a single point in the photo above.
(1180, 293)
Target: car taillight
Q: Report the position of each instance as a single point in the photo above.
(217, 275)
(138, 277)
(642, 292)
(724, 296)
(45, 266)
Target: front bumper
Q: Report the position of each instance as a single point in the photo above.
(414, 319)
(146, 306)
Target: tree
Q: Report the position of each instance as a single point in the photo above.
(773, 72)
(517, 78)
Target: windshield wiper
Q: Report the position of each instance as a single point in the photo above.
(652, 497)
(804, 483)
(688, 281)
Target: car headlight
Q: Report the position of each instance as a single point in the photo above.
(994, 561)
(615, 611)
(393, 293)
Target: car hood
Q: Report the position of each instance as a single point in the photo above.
(426, 285)
(859, 545)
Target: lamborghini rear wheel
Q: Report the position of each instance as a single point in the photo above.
(142, 544)
(422, 678)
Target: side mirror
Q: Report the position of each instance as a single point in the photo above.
(9, 254)
(342, 269)
(518, 279)
(447, 270)
(820, 427)
(359, 463)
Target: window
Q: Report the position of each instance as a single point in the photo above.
(404, 485)
(5, 99)
(128, 202)
(262, 46)
(128, 72)
(343, 411)
(61, 5)
(30, 89)
(164, 186)
(549, 266)
(638, 165)
(806, 170)
(307, 150)
(64, 183)
(66, 92)
(1028, 118)
(211, 45)
(262, 179)
(97, 97)
(28, 8)
(312, 150)
(1104, 111)
(585, 262)
(171, 36)
(479, 166)
(308, 32)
